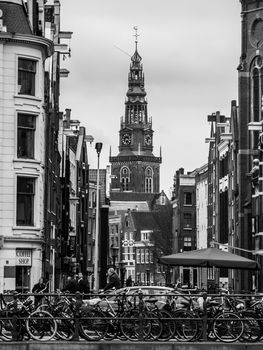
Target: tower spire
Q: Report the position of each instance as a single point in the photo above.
(136, 37)
(135, 137)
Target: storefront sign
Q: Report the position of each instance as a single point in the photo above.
(24, 257)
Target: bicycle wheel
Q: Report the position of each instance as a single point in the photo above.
(228, 327)
(65, 327)
(41, 325)
(7, 329)
(186, 328)
(156, 325)
(93, 325)
(168, 325)
(135, 325)
(252, 328)
(112, 326)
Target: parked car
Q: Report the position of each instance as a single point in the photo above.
(157, 292)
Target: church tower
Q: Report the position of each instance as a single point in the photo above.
(135, 168)
(250, 135)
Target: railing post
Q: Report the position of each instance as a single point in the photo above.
(205, 316)
(140, 315)
(77, 307)
(14, 321)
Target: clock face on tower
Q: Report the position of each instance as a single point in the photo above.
(256, 33)
(148, 140)
(126, 139)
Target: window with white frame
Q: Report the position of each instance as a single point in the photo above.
(25, 201)
(187, 243)
(145, 235)
(142, 256)
(130, 257)
(125, 253)
(146, 256)
(26, 136)
(26, 76)
(211, 273)
(92, 199)
(142, 277)
(138, 256)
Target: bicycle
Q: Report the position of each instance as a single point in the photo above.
(163, 326)
(20, 321)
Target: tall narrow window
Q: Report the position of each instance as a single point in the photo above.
(26, 136)
(188, 198)
(256, 98)
(256, 95)
(187, 220)
(148, 180)
(26, 76)
(142, 256)
(125, 178)
(138, 256)
(25, 201)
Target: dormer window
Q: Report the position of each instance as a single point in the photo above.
(145, 235)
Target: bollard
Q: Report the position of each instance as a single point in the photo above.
(77, 307)
(205, 317)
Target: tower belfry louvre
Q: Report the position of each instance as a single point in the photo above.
(135, 168)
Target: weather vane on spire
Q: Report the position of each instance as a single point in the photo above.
(136, 35)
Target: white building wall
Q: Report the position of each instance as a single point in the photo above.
(201, 213)
(10, 166)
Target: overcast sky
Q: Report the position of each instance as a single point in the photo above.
(190, 50)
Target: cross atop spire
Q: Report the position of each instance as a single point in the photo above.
(136, 36)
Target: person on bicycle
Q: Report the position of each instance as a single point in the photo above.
(113, 280)
(40, 287)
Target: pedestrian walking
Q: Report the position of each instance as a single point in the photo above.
(71, 285)
(83, 284)
(129, 281)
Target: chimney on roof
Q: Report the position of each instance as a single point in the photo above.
(33, 15)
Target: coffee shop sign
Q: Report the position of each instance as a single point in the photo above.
(24, 257)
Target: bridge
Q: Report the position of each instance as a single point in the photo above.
(118, 345)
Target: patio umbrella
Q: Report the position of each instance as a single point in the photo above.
(209, 257)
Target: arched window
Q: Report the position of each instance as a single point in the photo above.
(256, 73)
(125, 178)
(148, 180)
(256, 94)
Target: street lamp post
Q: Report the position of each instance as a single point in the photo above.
(98, 147)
